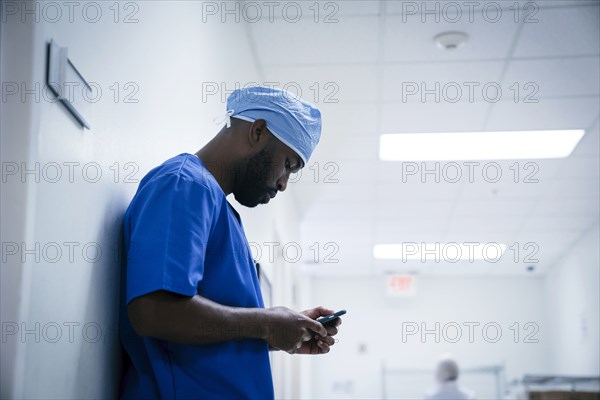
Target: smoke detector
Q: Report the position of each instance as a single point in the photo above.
(451, 40)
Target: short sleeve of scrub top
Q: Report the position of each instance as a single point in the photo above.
(168, 238)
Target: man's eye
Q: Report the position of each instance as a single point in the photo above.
(287, 164)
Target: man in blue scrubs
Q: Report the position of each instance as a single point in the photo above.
(193, 321)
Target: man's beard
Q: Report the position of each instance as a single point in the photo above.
(253, 186)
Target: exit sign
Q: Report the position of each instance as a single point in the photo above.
(401, 285)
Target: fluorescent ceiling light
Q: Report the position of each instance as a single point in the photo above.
(478, 145)
(440, 252)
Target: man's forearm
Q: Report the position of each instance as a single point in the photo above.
(194, 320)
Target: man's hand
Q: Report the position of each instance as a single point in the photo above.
(288, 330)
(320, 344)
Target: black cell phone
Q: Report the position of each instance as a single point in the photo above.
(331, 317)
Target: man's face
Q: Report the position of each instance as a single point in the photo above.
(266, 173)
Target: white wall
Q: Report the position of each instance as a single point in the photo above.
(573, 308)
(166, 55)
(377, 322)
(15, 62)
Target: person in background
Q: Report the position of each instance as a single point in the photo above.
(193, 321)
(447, 377)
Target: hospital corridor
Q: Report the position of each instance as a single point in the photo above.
(309, 199)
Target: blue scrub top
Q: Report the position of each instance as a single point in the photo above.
(181, 235)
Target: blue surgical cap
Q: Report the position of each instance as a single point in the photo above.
(294, 121)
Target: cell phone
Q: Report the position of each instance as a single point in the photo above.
(331, 317)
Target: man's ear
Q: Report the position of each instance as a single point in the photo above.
(258, 136)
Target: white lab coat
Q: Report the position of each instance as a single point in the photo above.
(449, 391)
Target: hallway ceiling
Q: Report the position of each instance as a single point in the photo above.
(362, 62)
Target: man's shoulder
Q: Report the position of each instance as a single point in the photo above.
(183, 174)
(186, 168)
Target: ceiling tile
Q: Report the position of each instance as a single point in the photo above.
(326, 10)
(575, 113)
(340, 172)
(567, 206)
(408, 38)
(580, 167)
(345, 229)
(357, 147)
(500, 208)
(348, 8)
(508, 7)
(326, 84)
(560, 3)
(451, 82)
(482, 226)
(574, 187)
(472, 232)
(350, 40)
(457, 235)
(416, 191)
(538, 79)
(432, 117)
(409, 209)
(558, 223)
(333, 211)
(507, 269)
(566, 31)
(398, 230)
(504, 190)
(340, 121)
(461, 269)
(355, 192)
(543, 246)
(489, 173)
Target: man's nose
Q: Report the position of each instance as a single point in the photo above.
(282, 183)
